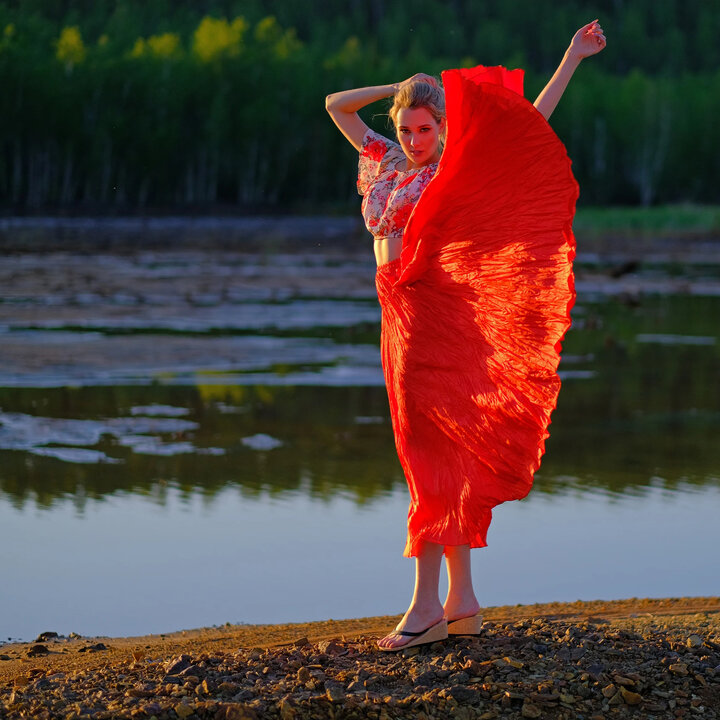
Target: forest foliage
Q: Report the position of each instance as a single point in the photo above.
(132, 105)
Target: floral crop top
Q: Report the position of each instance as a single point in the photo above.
(389, 194)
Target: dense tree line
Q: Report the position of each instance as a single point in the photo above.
(128, 105)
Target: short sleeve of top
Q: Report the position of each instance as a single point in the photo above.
(389, 193)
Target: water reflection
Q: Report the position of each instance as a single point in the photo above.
(640, 414)
(635, 405)
(164, 392)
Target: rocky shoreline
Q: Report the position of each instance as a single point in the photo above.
(639, 658)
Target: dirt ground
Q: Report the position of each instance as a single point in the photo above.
(71, 654)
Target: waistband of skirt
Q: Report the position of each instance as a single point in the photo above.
(389, 267)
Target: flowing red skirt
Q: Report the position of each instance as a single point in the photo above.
(474, 311)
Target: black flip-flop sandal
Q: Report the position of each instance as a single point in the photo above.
(438, 631)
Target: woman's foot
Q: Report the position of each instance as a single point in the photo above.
(416, 619)
(458, 608)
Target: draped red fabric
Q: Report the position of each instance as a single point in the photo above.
(474, 311)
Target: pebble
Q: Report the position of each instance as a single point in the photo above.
(183, 711)
(37, 650)
(426, 678)
(531, 711)
(97, 647)
(335, 692)
(630, 697)
(287, 711)
(331, 647)
(645, 669)
(458, 678)
(177, 665)
(461, 693)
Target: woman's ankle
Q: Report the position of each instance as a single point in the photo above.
(456, 608)
(423, 613)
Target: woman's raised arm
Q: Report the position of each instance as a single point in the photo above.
(343, 107)
(588, 40)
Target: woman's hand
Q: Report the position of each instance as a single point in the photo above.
(587, 41)
(418, 77)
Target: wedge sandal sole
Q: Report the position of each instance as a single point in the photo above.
(434, 633)
(465, 626)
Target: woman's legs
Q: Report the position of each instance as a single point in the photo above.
(425, 609)
(461, 601)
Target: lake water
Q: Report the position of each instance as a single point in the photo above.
(191, 438)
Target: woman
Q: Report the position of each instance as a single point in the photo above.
(475, 283)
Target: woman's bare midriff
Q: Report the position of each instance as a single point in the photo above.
(387, 249)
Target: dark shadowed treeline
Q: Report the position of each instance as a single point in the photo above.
(129, 105)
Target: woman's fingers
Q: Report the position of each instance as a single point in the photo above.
(414, 78)
(594, 30)
(593, 26)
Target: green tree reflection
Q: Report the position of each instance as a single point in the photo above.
(648, 415)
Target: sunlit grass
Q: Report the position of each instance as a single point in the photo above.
(695, 219)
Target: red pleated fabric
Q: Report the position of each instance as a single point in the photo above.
(474, 311)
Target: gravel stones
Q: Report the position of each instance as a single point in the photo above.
(643, 668)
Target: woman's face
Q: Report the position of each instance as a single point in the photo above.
(419, 136)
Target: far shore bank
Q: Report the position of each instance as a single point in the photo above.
(604, 230)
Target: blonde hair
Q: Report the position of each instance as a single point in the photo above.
(420, 94)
